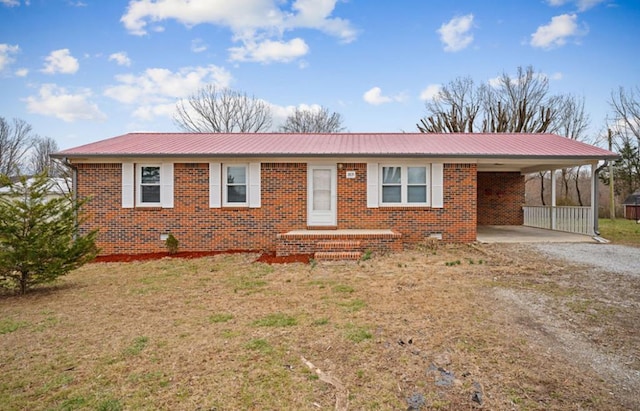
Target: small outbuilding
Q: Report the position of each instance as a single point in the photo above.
(631, 206)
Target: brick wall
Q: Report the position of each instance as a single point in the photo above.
(284, 196)
(456, 222)
(500, 198)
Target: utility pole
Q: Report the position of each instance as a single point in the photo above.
(612, 200)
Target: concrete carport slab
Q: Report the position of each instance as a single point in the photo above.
(522, 234)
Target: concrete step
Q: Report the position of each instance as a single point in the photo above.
(337, 255)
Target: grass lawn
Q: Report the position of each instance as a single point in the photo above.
(426, 329)
(620, 231)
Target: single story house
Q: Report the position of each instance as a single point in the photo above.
(332, 194)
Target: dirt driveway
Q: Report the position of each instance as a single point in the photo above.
(587, 311)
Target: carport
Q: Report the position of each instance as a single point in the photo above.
(501, 212)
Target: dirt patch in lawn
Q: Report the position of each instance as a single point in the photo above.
(128, 258)
(488, 327)
(268, 258)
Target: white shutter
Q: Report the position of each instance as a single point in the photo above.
(166, 190)
(372, 185)
(127, 185)
(215, 193)
(437, 191)
(254, 185)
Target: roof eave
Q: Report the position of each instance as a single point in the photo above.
(71, 156)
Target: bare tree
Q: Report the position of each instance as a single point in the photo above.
(15, 140)
(625, 134)
(571, 122)
(40, 160)
(520, 104)
(626, 108)
(454, 108)
(222, 110)
(313, 121)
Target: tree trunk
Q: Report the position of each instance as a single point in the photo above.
(578, 187)
(565, 183)
(24, 276)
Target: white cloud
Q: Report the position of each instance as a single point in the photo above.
(120, 58)
(280, 113)
(157, 89)
(374, 96)
(55, 101)
(430, 92)
(258, 25)
(22, 72)
(455, 34)
(60, 61)
(556, 76)
(198, 45)
(284, 111)
(582, 5)
(10, 3)
(494, 82)
(270, 51)
(316, 14)
(7, 52)
(149, 112)
(556, 33)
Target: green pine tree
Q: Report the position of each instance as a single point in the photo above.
(39, 239)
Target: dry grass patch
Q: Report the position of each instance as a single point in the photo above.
(226, 333)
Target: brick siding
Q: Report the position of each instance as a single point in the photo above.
(500, 198)
(284, 197)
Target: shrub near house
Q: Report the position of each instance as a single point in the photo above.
(38, 237)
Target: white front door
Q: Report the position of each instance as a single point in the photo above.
(321, 197)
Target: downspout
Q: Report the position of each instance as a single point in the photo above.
(594, 189)
(74, 177)
(74, 191)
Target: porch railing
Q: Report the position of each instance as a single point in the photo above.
(571, 219)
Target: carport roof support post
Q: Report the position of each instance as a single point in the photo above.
(554, 224)
(594, 197)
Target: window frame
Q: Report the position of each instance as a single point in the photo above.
(225, 185)
(404, 185)
(140, 184)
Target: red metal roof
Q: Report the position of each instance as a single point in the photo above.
(500, 145)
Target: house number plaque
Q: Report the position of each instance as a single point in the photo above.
(351, 174)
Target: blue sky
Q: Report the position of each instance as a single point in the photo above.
(84, 70)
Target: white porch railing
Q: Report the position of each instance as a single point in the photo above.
(571, 219)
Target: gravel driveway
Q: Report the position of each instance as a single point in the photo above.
(587, 313)
(615, 258)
